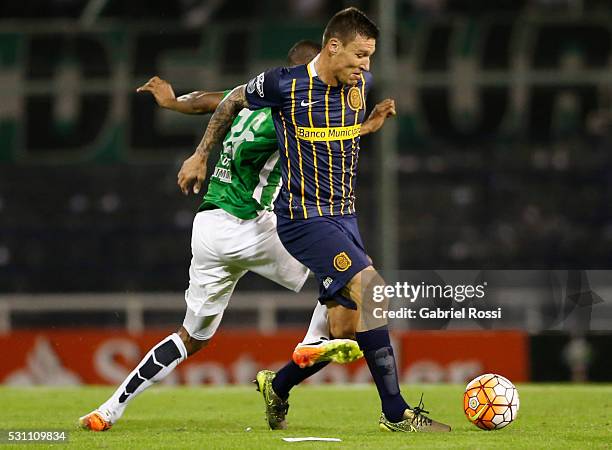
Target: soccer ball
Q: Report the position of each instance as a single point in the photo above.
(490, 401)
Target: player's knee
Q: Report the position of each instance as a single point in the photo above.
(370, 277)
(370, 280)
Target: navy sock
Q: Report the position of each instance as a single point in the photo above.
(291, 375)
(378, 353)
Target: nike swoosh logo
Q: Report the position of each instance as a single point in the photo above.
(477, 415)
(305, 103)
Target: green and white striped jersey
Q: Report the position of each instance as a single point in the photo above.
(246, 177)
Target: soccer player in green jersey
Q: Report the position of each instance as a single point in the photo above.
(234, 231)
(318, 111)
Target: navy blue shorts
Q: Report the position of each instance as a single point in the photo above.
(331, 247)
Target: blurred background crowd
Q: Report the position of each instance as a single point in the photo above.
(503, 141)
(502, 146)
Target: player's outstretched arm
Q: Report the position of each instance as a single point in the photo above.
(197, 102)
(377, 117)
(193, 170)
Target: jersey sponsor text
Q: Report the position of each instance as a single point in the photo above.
(329, 133)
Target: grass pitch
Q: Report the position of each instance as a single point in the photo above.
(550, 416)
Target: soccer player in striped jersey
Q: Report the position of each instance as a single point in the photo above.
(318, 109)
(234, 231)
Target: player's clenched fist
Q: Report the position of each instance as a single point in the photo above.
(377, 117)
(161, 90)
(192, 174)
(385, 108)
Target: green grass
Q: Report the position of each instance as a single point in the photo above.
(551, 416)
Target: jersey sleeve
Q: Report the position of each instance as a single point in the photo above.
(369, 81)
(263, 90)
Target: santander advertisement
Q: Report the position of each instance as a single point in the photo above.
(103, 356)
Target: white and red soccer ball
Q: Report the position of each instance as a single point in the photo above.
(490, 401)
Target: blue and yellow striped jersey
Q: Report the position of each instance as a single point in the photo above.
(317, 126)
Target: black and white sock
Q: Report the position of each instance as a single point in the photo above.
(154, 367)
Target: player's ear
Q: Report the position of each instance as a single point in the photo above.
(334, 46)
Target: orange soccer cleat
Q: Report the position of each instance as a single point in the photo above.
(341, 351)
(95, 421)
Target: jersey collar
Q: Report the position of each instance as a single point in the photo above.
(311, 67)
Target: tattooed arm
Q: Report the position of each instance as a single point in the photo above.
(193, 170)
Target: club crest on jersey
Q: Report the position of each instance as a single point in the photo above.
(354, 98)
(342, 262)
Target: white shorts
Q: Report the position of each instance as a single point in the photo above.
(223, 249)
